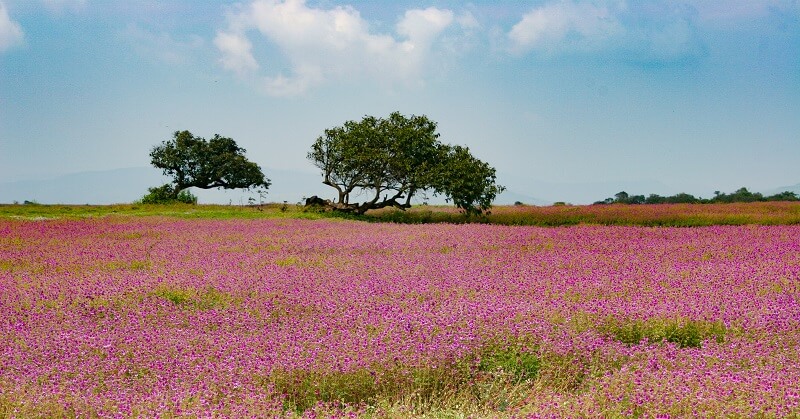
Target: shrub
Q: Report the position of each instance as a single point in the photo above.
(165, 194)
(515, 364)
(684, 333)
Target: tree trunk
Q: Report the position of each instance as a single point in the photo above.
(176, 191)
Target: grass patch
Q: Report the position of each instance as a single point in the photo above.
(510, 364)
(656, 215)
(133, 265)
(200, 299)
(288, 261)
(482, 378)
(683, 333)
(44, 212)
(8, 265)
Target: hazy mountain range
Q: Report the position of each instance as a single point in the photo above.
(129, 184)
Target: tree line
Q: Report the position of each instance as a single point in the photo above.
(384, 161)
(740, 195)
(387, 161)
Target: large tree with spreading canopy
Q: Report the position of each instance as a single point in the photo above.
(215, 163)
(390, 160)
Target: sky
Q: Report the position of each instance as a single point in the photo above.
(657, 95)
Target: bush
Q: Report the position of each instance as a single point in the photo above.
(165, 194)
(684, 333)
(511, 362)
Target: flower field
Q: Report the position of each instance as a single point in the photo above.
(157, 316)
(661, 215)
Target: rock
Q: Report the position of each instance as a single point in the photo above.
(316, 201)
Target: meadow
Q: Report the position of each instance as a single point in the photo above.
(122, 311)
(661, 215)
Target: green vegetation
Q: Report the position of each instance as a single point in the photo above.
(510, 362)
(741, 195)
(668, 215)
(684, 333)
(165, 194)
(196, 162)
(178, 210)
(202, 299)
(393, 159)
(482, 379)
(671, 215)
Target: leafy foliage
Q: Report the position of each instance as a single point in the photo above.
(196, 162)
(165, 194)
(741, 195)
(469, 182)
(395, 158)
(683, 333)
(518, 365)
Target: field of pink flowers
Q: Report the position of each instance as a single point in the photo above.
(123, 316)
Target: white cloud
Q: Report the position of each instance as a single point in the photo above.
(322, 45)
(565, 25)
(304, 78)
(236, 52)
(468, 21)
(10, 31)
(650, 31)
(421, 26)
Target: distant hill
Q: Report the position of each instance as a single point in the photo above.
(510, 197)
(98, 187)
(579, 192)
(793, 188)
(129, 184)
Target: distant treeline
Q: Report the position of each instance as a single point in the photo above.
(741, 195)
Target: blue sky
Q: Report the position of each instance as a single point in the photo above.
(693, 95)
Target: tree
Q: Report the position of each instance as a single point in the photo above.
(165, 194)
(655, 199)
(636, 199)
(468, 182)
(783, 196)
(196, 162)
(682, 198)
(392, 159)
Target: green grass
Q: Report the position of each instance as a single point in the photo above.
(486, 380)
(662, 215)
(202, 299)
(34, 212)
(683, 333)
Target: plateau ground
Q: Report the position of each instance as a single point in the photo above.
(222, 315)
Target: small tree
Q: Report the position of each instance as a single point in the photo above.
(468, 182)
(196, 162)
(165, 194)
(390, 160)
(783, 196)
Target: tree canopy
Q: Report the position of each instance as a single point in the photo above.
(215, 163)
(740, 195)
(392, 159)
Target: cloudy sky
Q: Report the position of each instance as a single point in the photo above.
(691, 95)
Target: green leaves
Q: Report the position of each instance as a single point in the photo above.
(397, 157)
(218, 162)
(468, 182)
(166, 194)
